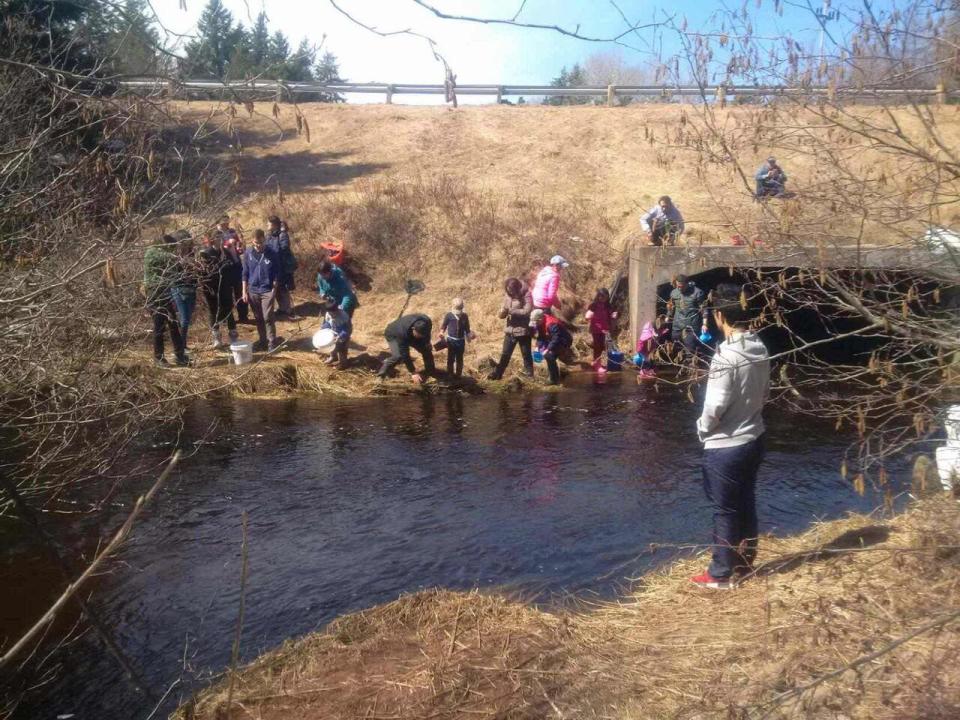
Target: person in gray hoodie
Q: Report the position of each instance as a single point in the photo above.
(732, 431)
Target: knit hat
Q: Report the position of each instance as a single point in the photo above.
(535, 317)
(559, 260)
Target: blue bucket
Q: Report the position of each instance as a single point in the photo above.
(537, 356)
(614, 360)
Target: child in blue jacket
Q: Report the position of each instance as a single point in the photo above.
(339, 321)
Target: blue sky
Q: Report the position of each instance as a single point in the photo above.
(491, 53)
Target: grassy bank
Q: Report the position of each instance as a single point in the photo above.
(855, 618)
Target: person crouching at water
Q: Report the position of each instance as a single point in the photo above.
(516, 309)
(601, 316)
(553, 339)
(454, 333)
(409, 331)
(732, 431)
(338, 320)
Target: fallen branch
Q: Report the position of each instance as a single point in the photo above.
(92, 568)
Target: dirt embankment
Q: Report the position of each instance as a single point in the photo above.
(462, 199)
(855, 618)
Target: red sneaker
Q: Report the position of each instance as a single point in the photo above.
(706, 580)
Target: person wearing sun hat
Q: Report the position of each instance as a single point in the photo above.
(547, 284)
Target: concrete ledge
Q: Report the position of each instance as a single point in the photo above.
(651, 266)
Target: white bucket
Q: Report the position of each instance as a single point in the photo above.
(948, 465)
(952, 425)
(325, 340)
(242, 352)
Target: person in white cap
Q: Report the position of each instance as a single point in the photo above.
(547, 284)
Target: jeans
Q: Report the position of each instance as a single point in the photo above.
(729, 481)
(552, 367)
(284, 300)
(262, 306)
(599, 345)
(509, 343)
(690, 339)
(455, 357)
(769, 187)
(399, 354)
(663, 234)
(237, 286)
(186, 301)
(163, 315)
(220, 307)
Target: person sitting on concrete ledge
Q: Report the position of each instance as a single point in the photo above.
(402, 334)
(771, 179)
(663, 223)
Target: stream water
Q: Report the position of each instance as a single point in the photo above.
(351, 503)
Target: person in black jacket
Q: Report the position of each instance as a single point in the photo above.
(218, 266)
(402, 334)
(454, 333)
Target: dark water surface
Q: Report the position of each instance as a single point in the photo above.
(351, 503)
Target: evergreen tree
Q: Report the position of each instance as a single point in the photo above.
(299, 66)
(259, 43)
(576, 77)
(131, 41)
(279, 52)
(210, 53)
(328, 71)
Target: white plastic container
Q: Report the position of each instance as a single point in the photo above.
(952, 426)
(324, 340)
(948, 466)
(242, 352)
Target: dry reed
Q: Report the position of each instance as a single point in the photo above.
(806, 637)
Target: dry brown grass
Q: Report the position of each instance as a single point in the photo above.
(819, 602)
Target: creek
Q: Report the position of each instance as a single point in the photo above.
(352, 503)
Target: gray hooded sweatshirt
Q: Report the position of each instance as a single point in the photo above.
(737, 389)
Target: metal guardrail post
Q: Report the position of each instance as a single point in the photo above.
(389, 94)
(611, 95)
(499, 94)
(941, 93)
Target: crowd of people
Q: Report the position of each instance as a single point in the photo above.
(258, 279)
(240, 281)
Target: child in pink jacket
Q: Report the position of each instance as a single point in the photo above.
(547, 284)
(601, 316)
(646, 345)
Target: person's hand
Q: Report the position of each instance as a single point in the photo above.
(246, 298)
(417, 379)
(471, 336)
(614, 315)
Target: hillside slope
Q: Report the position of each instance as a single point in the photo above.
(461, 199)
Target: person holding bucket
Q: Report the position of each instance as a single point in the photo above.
(261, 275)
(454, 333)
(332, 281)
(337, 320)
(553, 340)
(689, 321)
(516, 309)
